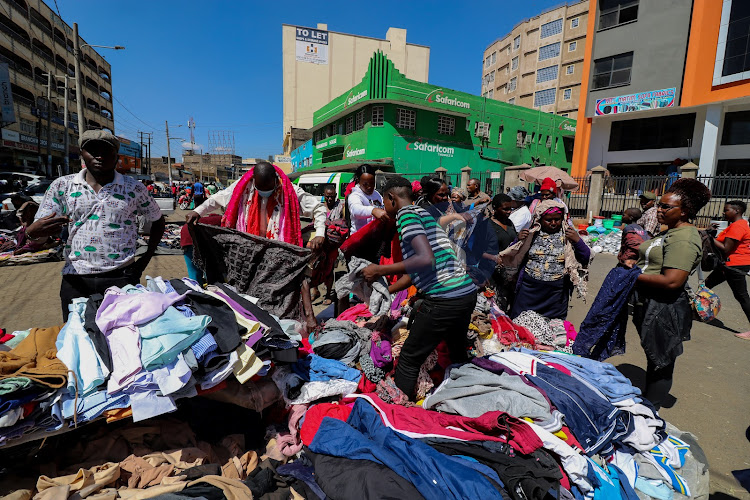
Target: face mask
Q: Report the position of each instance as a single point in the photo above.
(265, 194)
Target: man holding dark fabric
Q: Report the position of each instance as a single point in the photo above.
(100, 206)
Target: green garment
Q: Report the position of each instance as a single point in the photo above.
(679, 248)
(14, 384)
(18, 337)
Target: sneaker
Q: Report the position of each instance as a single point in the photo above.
(745, 335)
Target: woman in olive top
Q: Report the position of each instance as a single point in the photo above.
(734, 241)
(662, 314)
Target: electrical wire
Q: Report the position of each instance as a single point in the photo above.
(134, 115)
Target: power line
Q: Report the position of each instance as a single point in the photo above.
(58, 11)
(134, 115)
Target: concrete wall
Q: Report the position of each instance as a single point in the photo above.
(308, 86)
(658, 40)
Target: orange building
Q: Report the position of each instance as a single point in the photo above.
(665, 82)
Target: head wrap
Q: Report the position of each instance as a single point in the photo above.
(416, 186)
(545, 207)
(553, 210)
(549, 185)
(518, 193)
(461, 192)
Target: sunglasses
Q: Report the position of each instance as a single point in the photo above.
(665, 206)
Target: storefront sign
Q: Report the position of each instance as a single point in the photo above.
(426, 147)
(7, 110)
(439, 97)
(311, 45)
(282, 159)
(19, 145)
(354, 97)
(327, 143)
(566, 126)
(130, 148)
(654, 99)
(349, 153)
(29, 139)
(10, 135)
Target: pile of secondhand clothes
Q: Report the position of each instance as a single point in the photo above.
(514, 422)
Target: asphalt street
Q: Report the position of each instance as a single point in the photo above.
(712, 378)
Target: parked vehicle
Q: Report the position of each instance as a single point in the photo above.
(315, 183)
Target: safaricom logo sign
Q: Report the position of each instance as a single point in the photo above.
(430, 148)
(354, 98)
(567, 127)
(440, 97)
(354, 152)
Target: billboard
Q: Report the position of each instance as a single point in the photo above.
(7, 110)
(311, 45)
(130, 148)
(653, 99)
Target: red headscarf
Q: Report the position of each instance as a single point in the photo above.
(290, 230)
(549, 185)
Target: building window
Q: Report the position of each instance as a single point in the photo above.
(549, 51)
(349, 124)
(514, 63)
(360, 120)
(574, 23)
(517, 42)
(406, 118)
(612, 71)
(494, 58)
(567, 94)
(673, 131)
(737, 52)
(447, 125)
(572, 46)
(500, 134)
(492, 76)
(546, 74)
(341, 128)
(512, 84)
(570, 70)
(512, 100)
(614, 12)
(564, 115)
(487, 62)
(507, 69)
(508, 49)
(377, 116)
(491, 94)
(520, 138)
(28, 127)
(736, 128)
(551, 28)
(544, 97)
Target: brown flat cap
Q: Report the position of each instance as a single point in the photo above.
(99, 136)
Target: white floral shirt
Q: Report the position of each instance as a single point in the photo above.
(103, 230)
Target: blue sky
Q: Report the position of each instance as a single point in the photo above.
(220, 61)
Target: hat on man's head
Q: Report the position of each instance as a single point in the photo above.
(518, 193)
(648, 195)
(99, 136)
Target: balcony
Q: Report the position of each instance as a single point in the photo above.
(42, 50)
(20, 6)
(41, 23)
(14, 31)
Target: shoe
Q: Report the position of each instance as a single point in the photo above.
(745, 335)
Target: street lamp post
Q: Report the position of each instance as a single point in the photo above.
(77, 63)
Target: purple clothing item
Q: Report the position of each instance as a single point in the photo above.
(235, 306)
(380, 352)
(122, 308)
(396, 303)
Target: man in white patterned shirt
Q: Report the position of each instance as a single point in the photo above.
(100, 207)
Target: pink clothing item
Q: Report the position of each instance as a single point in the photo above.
(416, 422)
(570, 330)
(289, 444)
(353, 313)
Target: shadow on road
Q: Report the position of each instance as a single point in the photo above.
(718, 324)
(721, 496)
(637, 377)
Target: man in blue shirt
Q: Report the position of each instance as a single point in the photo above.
(199, 193)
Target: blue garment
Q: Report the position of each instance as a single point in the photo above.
(603, 376)
(364, 437)
(163, 338)
(304, 473)
(198, 189)
(602, 333)
(317, 368)
(91, 406)
(619, 477)
(204, 346)
(589, 415)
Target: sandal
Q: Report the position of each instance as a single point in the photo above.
(327, 302)
(745, 335)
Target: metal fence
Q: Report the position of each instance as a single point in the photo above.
(491, 182)
(450, 178)
(622, 192)
(578, 199)
(723, 188)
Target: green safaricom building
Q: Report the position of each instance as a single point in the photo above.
(409, 127)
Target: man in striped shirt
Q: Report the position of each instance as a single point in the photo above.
(447, 293)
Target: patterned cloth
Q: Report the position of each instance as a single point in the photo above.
(103, 229)
(547, 256)
(649, 222)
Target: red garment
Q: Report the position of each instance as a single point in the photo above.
(417, 422)
(290, 230)
(366, 242)
(549, 185)
(315, 415)
(559, 367)
(511, 333)
(6, 338)
(358, 311)
(349, 188)
(365, 386)
(186, 240)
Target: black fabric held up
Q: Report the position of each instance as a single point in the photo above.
(270, 270)
(343, 478)
(536, 475)
(223, 326)
(96, 335)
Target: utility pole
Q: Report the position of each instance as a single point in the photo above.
(140, 142)
(49, 124)
(149, 153)
(79, 93)
(66, 159)
(169, 155)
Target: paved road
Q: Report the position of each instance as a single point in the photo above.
(712, 378)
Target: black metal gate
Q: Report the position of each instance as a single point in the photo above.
(578, 199)
(491, 182)
(622, 192)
